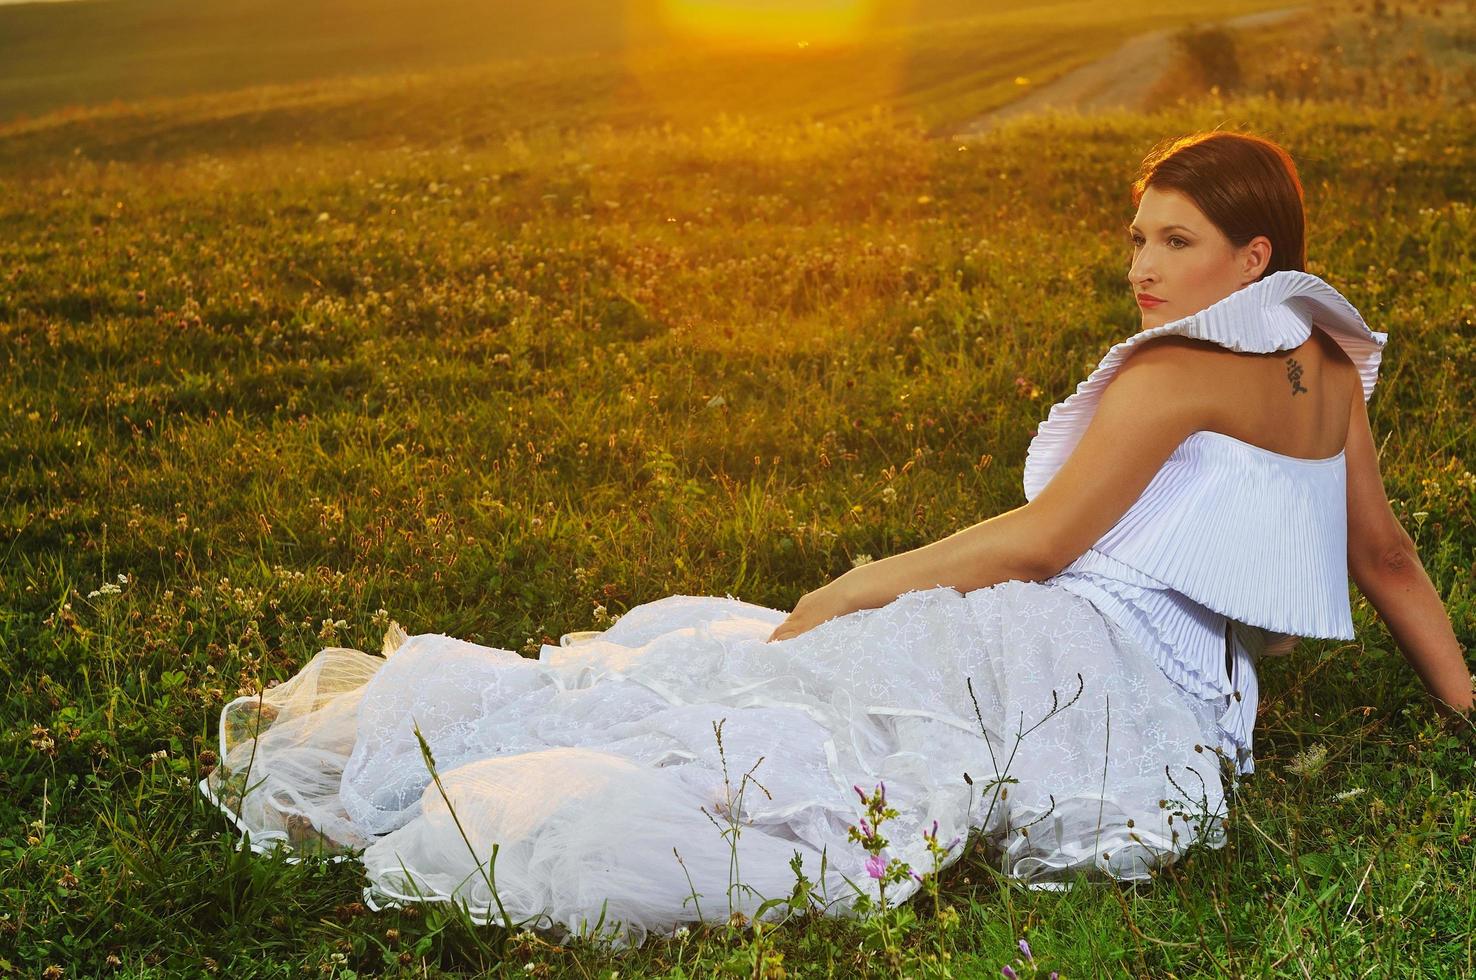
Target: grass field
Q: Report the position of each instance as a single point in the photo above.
(286, 362)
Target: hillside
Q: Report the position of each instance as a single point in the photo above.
(155, 78)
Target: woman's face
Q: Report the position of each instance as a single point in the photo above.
(1184, 260)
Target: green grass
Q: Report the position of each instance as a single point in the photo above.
(487, 385)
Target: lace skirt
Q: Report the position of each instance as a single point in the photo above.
(677, 767)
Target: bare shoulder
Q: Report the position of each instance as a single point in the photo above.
(1177, 375)
(1176, 349)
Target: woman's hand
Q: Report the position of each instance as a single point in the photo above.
(825, 603)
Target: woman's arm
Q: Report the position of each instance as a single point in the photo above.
(1406, 600)
(1385, 565)
(1000, 548)
(1151, 405)
(1003, 547)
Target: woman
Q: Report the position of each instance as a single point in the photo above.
(1197, 502)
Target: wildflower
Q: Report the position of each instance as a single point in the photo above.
(328, 631)
(1348, 794)
(1025, 948)
(41, 739)
(1309, 761)
(682, 932)
(876, 865)
(1006, 972)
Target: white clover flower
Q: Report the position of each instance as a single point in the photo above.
(330, 627)
(1309, 761)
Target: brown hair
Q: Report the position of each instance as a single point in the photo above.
(1245, 185)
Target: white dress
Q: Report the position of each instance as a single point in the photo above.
(597, 774)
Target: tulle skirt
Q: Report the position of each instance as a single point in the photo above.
(676, 767)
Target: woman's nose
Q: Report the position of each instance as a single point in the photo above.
(1139, 273)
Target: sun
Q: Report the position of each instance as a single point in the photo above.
(770, 23)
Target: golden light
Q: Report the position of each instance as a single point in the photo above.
(770, 23)
(701, 60)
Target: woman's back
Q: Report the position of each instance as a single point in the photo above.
(1291, 402)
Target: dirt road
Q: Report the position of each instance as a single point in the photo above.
(1122, 79)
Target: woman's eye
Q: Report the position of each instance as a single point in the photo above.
(1176, 238)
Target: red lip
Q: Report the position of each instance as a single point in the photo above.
(1148, 299)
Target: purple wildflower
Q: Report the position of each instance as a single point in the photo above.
(876, 866)
(954, 843)
(1053, 975)
(865, 827)
(858, 792)
(1025, 948)
(882, 788)
(935, 829)
(1007, 973)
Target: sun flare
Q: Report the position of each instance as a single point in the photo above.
(770, 23)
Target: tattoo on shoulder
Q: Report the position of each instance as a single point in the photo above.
(1294, 375)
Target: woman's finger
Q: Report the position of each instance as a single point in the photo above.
(782, 632)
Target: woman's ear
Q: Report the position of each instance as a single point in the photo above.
(1255, 257)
